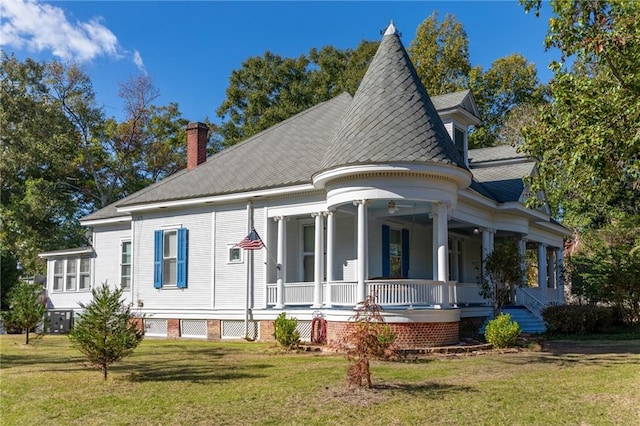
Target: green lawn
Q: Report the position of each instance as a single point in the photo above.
(169, 382)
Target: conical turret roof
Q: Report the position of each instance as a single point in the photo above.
(391, 118)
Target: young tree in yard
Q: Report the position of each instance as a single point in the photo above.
(502, 273)
(368, 338)
(26, 308)
(107, 330)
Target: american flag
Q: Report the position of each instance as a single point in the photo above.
(251, 241)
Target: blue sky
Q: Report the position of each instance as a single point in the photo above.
(190, 48)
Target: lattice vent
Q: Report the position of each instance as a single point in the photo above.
(155, 327)
(304, 328)
(235, 330)
(193, 328)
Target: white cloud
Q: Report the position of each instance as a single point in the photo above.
(26, 24)
(137, 59)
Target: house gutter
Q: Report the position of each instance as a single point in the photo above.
(249, 256)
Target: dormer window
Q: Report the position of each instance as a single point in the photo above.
(459, 139)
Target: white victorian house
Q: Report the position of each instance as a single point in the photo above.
(371, 194)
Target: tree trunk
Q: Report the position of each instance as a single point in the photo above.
(26, 340)
(104, 371)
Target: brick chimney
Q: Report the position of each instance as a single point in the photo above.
(196, 144)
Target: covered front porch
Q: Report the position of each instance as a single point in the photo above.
(410, 254)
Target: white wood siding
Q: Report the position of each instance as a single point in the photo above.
(197, 295)
(106, 243)
(231, 278)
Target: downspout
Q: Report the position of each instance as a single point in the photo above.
(249, 254)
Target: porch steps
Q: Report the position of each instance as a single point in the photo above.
(527, 321)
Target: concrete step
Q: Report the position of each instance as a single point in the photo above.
(528, 322)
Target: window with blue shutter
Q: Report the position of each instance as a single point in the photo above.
(170, 253)
(157, 258)
(181, 261)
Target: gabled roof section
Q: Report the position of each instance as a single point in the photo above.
(285, 154)
(499, 171)
(391, 118)
(450, 101)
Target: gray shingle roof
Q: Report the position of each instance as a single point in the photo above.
(285, 154)
(391, 117)
(498, 171)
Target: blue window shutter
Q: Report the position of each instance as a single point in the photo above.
(405, 253)
(181, 261)
(157, 259)
(386, 258)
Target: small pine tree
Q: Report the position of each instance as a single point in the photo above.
(107, 330)
(285, 331)
(26, 308)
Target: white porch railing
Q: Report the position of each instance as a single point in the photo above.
(468, 294)
(388, 293)
(535, 299)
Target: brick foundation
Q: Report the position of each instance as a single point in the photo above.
(266, 331)
(409, 335)
(173, 328)
(214, 332)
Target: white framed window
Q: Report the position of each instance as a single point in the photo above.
(85, 274)
(58, 274)
(169, 258)
(71, 275)
(234, 254)
(125, 265)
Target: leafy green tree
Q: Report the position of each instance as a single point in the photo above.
(502, 273)
(268, 89)
(106, 331)
(62, 159)
(440, 54)
(587, 139)
(26, 308)
(509, 84)
(606, 269)
(39, 204)
(10, 276)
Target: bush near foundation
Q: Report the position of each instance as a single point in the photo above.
(579, 319)
(285, 331)
(502, 331)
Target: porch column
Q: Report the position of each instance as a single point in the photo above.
(487, 249)
(522, 250)
(542, 268)
(551, 273)
(560, 273)
(443, 252)
(280, 271)
(361, 289)
(455, 267)
(330, 244)
(318, 260)
(434, 242)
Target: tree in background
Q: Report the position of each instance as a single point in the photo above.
(63, 159)
(440, 54)
(505, 89)
(268, 89)
(26, 308)
(106, 331)
(38, 173)
(587, 139)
